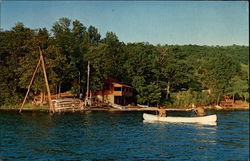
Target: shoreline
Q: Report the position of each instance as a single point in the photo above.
(112, 109)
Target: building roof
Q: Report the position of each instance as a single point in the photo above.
(112, 81)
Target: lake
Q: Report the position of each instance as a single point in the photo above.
(121, 136)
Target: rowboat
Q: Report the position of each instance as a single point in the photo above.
(210, 119)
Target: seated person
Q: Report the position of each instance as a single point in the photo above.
(199, 111)
(162, 112)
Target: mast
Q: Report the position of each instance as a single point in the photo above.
(87, 98)
(88, 81)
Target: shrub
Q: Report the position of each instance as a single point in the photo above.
(185, 99)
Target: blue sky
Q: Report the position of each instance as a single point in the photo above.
(159, 22)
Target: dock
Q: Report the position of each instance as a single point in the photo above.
(127, 109)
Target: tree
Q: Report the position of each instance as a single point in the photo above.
(139, 70)
(52, 58)
(239, 87)
(216, 72)
(100, 66)
(106, 59)
(11, 45)
(149, 94)
(71, 45)
(93, 35)
(176, 71)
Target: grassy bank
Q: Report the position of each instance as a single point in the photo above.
(26, 107)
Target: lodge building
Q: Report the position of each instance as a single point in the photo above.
(114, 92)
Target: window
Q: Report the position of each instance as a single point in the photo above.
(118, 88)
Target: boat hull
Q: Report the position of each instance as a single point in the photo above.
(203, 120)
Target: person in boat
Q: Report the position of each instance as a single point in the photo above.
(199, 111)
(162, 111)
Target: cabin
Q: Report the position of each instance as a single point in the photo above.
(114, 92)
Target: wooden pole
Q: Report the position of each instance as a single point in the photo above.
(79, 79)
(88, 81)
(41, 98)
(60, 89)
(51, 107)
(218, 99)
(87, 93)
(33, 76)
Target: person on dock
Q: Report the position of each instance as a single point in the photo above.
(199, 111)
(162, 111)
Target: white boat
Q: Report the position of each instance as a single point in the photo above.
(210, 119)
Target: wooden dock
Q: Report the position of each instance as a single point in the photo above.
(120, 110)
(77, 105)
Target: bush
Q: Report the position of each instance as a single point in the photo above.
(185, 99)
(7, 99)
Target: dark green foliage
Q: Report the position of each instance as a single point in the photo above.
(11, 51)
(28, 62)
(173, 75)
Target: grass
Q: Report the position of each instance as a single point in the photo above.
(26, 107)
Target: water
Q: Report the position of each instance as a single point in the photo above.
(121, 136)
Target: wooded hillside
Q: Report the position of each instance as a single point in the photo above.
(173, 75)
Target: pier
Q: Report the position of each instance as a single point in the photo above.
(124, 109)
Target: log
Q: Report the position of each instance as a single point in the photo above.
(51, 107)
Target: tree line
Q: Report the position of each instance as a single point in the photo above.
(171, 75)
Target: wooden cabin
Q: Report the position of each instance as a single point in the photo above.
(114, 92)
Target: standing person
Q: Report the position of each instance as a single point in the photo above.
(162, 111)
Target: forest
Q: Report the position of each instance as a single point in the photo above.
(170, 75)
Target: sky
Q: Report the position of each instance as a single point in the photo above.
(156, 22)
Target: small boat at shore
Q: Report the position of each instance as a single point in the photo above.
(210, 119)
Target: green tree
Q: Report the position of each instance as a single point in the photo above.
(176, 71)
(139, 70)
(216, 72)
(71, 43)
(149, 94)
(106, 60)
(11, 50)
(52, 58)
(239, 87)
(93, 35)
